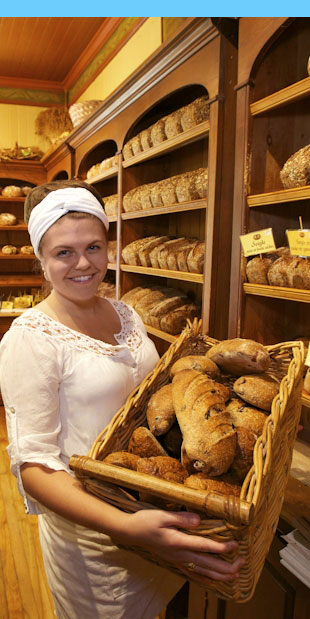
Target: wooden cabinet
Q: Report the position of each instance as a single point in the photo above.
(199, 61)
(17, 274)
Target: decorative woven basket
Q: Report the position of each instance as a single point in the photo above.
(79, 111)
(252, 519)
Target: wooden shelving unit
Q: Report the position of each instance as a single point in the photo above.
(109, 173)
(290, 94)
(277, 292)
(279, 197)
(166, 210)
(180, 275)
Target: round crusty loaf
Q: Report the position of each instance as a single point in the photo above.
(26, 249)
(257, 269)
(160, 411)
(240, 356)
(278, 272)
(9, 249)
(298, 273)
(296, 170)
(200, 363)
(258, 390)
(7, 219)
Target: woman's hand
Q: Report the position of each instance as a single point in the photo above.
(159, 532)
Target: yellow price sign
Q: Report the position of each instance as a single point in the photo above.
(259, 242)
(299, 242)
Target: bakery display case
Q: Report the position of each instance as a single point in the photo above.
(142, 123)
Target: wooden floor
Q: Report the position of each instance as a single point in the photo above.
(24, 592)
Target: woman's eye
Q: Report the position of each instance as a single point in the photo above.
(93, 247)
(63, 252)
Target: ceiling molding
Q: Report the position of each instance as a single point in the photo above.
(29, 96)
(25, 82)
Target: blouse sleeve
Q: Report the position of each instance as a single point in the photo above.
(30, 374)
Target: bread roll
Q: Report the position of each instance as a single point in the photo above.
(160, 411)
(9, 249)
(258, 390)
(144, 444)
(172, 441)
(208, 435)
(163, 467)
(124, 459)
(199, 363)
(246, 416)
(26, 249)
(240, 356)
(12, 191)
(200, 481)
(7, 219)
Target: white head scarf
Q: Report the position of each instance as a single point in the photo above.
(58, 203)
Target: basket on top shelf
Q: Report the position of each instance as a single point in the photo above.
(251, 519)
(79, 111)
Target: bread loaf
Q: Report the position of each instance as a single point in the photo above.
(176, 320)
(199, 363)
(107, 290)
(124, 459)
(298, 273)
(257, 269)
(130, 253)
(136, 144)
(160, 411)
(172, 441)
(156, 197)
(112, 250)
(208, 435)
(127, 150)
(163, 252)
(9, 249)
(111, 205)
(12, 191)
(26, 249)
(296, 170)
(186, 189)
(183, 253)
(158, 134)
(201, 182)
(246, 416)
(195, 258)
(195, 113)
(26, 189)
(107, 163)
(168, 191)
(249, 424)
(146, 139)
(200, 481)
(93, 171)
(240, 356)
(277, 274)
(7, 219)
(144, 252)
(144, 444)
(258, 390)
(173, 125)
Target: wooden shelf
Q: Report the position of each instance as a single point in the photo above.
(18, 226)
(10, 313)
(181, 275)
(290, 94)
(111, 266)
(20, 281)
(278, 197)
(305, 398)
(165, 210)
(112, 219)
(182, 139)
(16, 256)
(278, 292)
(10, 200)
(161, 334)
(109, 173)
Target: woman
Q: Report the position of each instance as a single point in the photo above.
(66, 366)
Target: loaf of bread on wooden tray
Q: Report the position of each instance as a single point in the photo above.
(203, 424)
(12, 191)
(111, 205)
(296, 170)
(7, 219)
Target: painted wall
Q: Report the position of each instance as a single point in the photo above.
(144, 42)
(18, 121)
(18, 125)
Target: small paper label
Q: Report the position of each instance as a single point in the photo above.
(299, 242)
(259, 242)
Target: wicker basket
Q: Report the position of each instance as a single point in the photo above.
(79, 111)
(252, 519)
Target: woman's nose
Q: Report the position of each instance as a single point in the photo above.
(82, 262)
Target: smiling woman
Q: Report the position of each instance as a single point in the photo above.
(66, 366)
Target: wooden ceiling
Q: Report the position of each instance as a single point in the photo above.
(51, 53)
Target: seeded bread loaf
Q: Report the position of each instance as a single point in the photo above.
(127, 150)
(277, 274)
(298, 273)
(130, 252)
(296, 170)
(144, 252)
(195, 113)
(183, 253)
(173, 125)
(158, 134)
(146, 139)
(168, 192)
(201, 182)
(195, 258)
(186, 189)
(111, 205)
(136, 144)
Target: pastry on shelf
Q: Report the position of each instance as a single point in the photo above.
(12, 191)
(7, 219)
(9, 250)
(26, 249)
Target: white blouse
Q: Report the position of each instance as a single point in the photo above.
(60, 388)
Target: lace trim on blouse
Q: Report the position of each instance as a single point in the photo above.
(129, 334)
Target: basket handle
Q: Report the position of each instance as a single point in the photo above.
(236, 511)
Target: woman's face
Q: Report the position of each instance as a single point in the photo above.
(74, 257)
